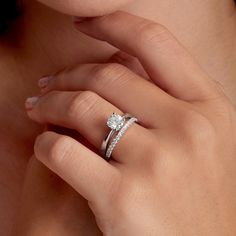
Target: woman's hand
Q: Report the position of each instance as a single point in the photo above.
(174, 173)
(50, 207)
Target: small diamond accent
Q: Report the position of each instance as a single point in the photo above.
(115, 122)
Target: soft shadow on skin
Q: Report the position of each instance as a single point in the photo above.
(86, 7)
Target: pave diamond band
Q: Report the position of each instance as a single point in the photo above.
(115, 123)
(118, 125)
(116, 140)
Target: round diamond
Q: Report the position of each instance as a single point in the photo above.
(115, 122)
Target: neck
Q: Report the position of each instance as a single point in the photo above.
(46, 42)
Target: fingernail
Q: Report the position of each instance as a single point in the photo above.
(43, 82)
(30, 102)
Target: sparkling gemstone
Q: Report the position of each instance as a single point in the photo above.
(115, 122)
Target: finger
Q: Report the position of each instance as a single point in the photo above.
(51, 199)
(123, 88)
(162, 56)
(87, 113)
(86, 172)
(130, 62)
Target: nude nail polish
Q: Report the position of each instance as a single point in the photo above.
(30, 102)
(43, 82)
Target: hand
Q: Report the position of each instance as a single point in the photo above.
(50, 207)
(174, 173)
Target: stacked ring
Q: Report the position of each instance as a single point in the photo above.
(118, 125)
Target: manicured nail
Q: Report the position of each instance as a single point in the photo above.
(30, 102)
(43, 82)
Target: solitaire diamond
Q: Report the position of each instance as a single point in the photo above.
(115, 122)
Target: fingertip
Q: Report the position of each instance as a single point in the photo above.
(31, 102)
(42, 144)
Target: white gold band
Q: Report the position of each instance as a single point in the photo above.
(120, 134)
(115, 123)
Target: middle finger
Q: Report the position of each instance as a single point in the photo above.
(121, 87)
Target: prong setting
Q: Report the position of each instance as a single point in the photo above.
(115, 122)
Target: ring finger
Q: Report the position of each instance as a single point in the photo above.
(86, 112)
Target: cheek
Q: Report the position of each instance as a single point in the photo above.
(86, 7)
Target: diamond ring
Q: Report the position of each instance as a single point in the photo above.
(118, 125)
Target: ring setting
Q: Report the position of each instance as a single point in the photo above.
(115, 122)
(118, 125)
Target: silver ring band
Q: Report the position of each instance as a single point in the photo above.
(120, 134)
(112, 133)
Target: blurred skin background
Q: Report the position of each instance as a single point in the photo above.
(42, 41)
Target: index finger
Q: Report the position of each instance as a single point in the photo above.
(166, 61)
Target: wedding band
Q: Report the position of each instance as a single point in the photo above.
(114, 122)
(121, 133)
(118, 125)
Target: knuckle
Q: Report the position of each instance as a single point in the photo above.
(60, 151)
(150, 32)
(197, 128)
(107, 74)
(219, 88)
(82, 104)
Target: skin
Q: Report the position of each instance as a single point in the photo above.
(86, 8)
(31, 56)
(51, 208)
(161, 179)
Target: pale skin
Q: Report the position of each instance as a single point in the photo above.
(210, 68)
(172, 174)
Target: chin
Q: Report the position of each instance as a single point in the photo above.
(86, 8)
